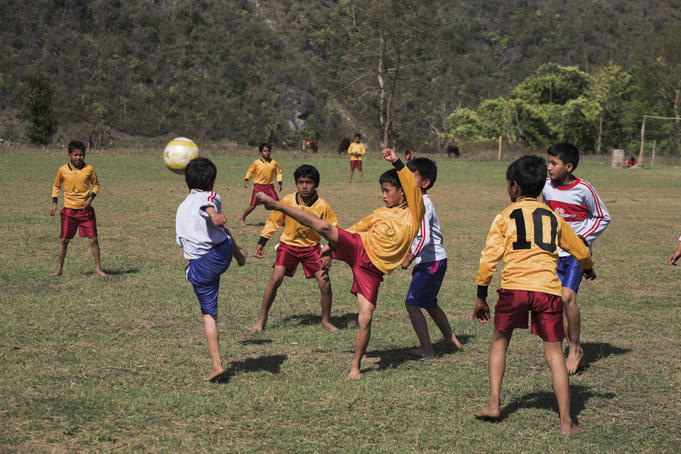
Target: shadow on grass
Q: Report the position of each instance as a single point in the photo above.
(546, 400)
(255, 341)
(595, 351)
(340, 322)
(116, 272)
(270, 364)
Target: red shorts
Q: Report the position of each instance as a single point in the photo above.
(72, 219)
(266, 188)
(356, 164)
(547, 313)
(290, 256)
(365, 276)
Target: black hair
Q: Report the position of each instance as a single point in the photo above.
(200, 174)
(358, 135)
(566, 152)
(307, 171)
(263, 145)
(426, 168)
(530, 174)
(390, 177)
(76, 145)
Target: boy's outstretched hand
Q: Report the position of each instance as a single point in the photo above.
(481, 311)
(266, 200)
(259, 252)
(389, 154)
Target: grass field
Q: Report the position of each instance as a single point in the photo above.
(115, 364)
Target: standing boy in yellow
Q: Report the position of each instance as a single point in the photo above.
(80, 188)
(263, 171)
(356, 151)
(374, 246)
(298, 244)
(526, 235)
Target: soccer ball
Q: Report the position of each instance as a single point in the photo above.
(179, 152)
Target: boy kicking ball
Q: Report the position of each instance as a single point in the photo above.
(526, 235)
(374, 246)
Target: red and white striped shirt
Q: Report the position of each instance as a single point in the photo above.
(580, 206)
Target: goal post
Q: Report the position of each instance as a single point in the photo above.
(657, 129)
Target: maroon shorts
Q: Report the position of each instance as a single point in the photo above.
(547, 313)
(356, 164)
(266, 188)
(71, 220)
(365, 276)
(290, 256)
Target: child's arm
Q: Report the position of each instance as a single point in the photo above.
(598, 217)
(56, 189)
(279, 176)
(325, 257)
(218, 219)
(675, 256)
(407, 260)
(238, 253)
(249, 173)
(481, 311)
(274, 222)
(573, 244)
(94, 191)
(411, 189)
(490, 256)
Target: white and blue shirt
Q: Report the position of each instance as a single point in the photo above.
(427, 245)
(194, 230)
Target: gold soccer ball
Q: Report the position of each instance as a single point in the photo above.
(179, 152)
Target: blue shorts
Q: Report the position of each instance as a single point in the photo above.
(426, 281)
(204, 274)
(569, 272)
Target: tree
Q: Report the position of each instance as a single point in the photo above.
(39, 109)
(611, 85)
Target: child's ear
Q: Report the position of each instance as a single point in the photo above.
(569, 167)
(425, 184)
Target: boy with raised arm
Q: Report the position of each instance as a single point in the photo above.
(576, 201)
(430, 267)
(374, 246)
(298, 244)
(526, 235)
(209, 247)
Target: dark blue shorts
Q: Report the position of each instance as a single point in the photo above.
(426, 281)
(569, 272)
(204, 274)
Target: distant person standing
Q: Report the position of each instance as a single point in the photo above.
(80, 188)
(356, 151)
(263, 171)
(676, 255)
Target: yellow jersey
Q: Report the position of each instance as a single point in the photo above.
(526, 234)
(78, 185)
(264, 172)
(356, 148)
(387, 233)
(296, 234)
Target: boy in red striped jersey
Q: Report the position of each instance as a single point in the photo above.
(576, 201)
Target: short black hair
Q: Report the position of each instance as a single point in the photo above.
(566, 152)
(76, 145)
(530, 174)
(358, 135)
(390, 177)
(200, 174)
(263, 145)
(425, 167)
(307, 171)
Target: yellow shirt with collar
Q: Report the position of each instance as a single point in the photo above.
(264, 172)
(78, 185)
(356, 148)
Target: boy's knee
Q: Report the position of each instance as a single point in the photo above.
(64, 241)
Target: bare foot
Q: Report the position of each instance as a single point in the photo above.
(570, 430)
(330, 326)
(420, 352)
(453, 342)
(575, 359)
(215, 373)
(266, 200)
(56, 273)
(101, 273)
(242, 222)
(354, 374)
(488, 413)
(259, 326)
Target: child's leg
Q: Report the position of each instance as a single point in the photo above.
(94, 245)
(418, 322)
(572, 322)
(210, 326)
(497, 367)
(440, 319)
(247, 211)
(366, 312)
(278, 273)
(322, 277)
(63, 246)
(328, 231)
(561, 386)
(361, 174)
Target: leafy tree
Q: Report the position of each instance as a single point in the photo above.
(39, 109)
(612, 86)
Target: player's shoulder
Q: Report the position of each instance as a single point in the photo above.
(289, 199)
(583, 184)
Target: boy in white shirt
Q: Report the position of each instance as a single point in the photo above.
(209, 247)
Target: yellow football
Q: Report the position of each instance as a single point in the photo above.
(179, 152)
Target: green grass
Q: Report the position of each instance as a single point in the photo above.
(91, 364)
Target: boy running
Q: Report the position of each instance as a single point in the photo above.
(80, 188)
(577, 202)
(526, 235)
(430, 268)
(263, 170)
(374, 246)
(298, 244)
